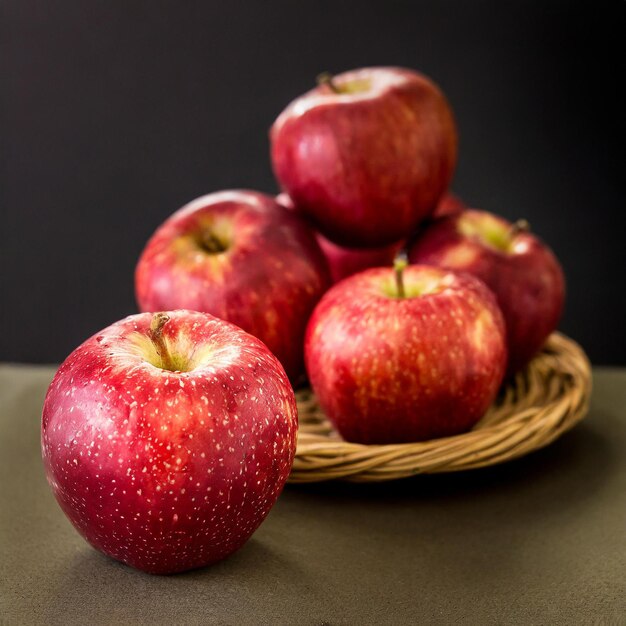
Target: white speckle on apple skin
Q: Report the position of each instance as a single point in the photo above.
(142, 467)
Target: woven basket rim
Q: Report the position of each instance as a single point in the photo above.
(545, 400)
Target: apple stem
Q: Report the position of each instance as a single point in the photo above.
(156, 334)
(399, 265)
(520, 226)
(326, 78)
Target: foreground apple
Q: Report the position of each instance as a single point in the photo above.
(241, 257)
(167, 438)
(366, 154)
(523, 273)
(408, 357)
(342, 261)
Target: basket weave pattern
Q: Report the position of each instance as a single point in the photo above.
(539, 405)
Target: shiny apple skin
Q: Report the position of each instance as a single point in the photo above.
(449, 204)
(528, 282)
(342, 261)
(169, 471)
(393, 370)
(267, 282)
(367, 167)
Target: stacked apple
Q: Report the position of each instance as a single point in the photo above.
(242, 257)
(168, 436)
(522, 272)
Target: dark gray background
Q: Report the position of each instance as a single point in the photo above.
(113, 114)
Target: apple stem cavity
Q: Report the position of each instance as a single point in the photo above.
(326, 78)
(399, 265)
(156, 335)
(211, 243)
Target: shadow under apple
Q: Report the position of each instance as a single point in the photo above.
(94, 588)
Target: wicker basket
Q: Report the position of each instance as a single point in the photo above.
(543, 402)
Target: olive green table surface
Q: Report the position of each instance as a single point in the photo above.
(540, 540)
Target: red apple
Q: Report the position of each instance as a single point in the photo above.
(366, 154)
(449, 204)
(167, 438)
(238, 255)
(405, 358)
(522, 271)
(344, 261)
